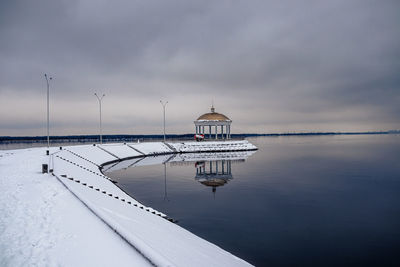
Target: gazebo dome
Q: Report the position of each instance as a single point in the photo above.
(213, 116)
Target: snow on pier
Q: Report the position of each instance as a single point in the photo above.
(55, 228)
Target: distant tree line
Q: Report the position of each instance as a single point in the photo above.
(130, 138)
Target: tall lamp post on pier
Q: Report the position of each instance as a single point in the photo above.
(100, 98)
(48, 79)
(164, 104)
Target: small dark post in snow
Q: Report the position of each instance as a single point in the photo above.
(45, 168)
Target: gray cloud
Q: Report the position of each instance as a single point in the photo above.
(269, 65)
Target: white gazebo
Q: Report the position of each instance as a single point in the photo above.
(213, 124)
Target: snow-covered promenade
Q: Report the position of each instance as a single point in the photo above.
(76, 216)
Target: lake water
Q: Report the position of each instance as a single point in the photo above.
(298, 201)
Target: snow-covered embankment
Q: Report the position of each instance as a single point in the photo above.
(153, 238)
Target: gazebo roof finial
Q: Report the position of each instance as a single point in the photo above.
(212, 106)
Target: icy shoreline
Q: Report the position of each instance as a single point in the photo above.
(56, 229)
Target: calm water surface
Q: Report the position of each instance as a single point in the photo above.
(297, 201)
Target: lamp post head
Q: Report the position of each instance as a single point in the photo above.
(163, 104)
(98, 97)
(47, 78)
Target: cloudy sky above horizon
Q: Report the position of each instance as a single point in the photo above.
(271, 66)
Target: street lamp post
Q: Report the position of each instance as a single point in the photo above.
(48, 79)
(100, 98)
(164, 104)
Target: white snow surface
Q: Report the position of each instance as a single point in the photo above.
(120, 150)
(93, 154)
(86, 178)
(78, 217)
(43, 224)
(151, 148)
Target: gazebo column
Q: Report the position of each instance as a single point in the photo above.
(209, 131)
(216, 132)
(222, 131)
(226, 132)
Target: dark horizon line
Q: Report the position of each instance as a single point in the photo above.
(173, 136)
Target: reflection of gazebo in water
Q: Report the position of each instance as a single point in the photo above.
(213, 173)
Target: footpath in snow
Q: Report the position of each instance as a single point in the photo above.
(78, 217)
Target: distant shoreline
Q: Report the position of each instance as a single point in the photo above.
(126, 137)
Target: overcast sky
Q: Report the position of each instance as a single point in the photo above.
(270, 66)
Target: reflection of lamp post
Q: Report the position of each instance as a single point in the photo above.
(164, 104)
(48, 109)
(100, 98)
(165, 182)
